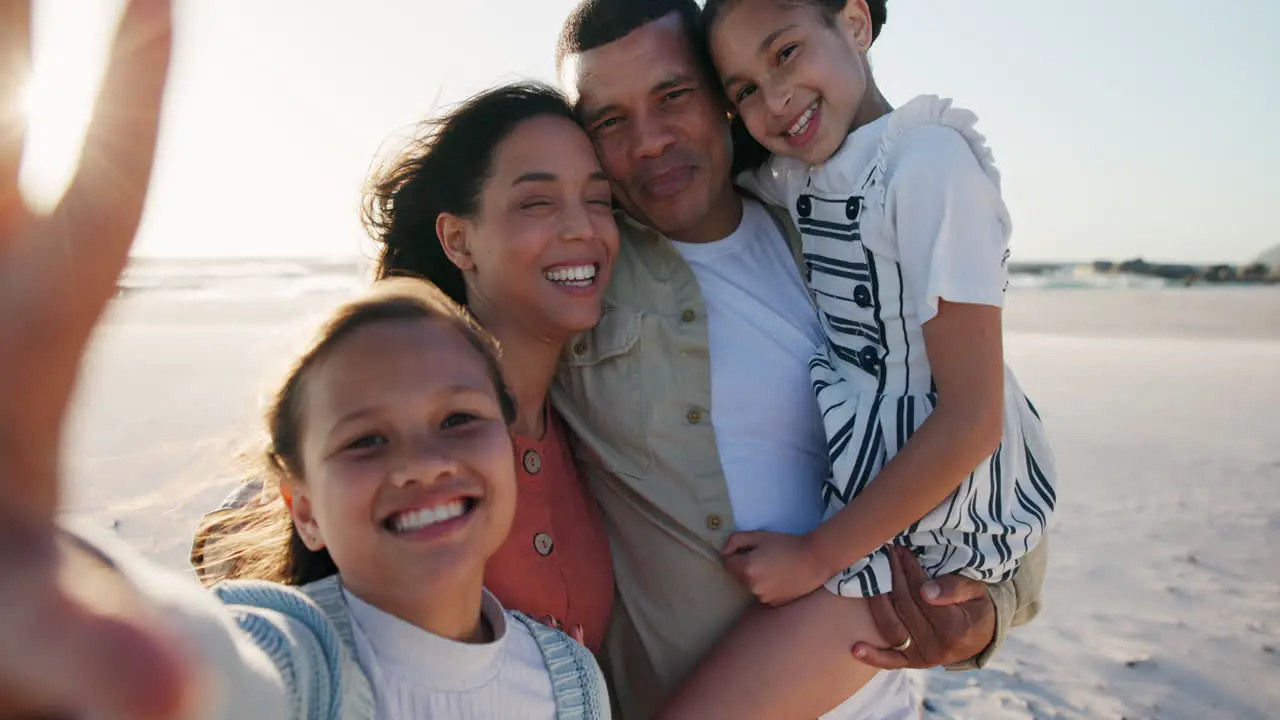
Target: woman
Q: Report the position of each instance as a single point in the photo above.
(500, 204)
(530, 257)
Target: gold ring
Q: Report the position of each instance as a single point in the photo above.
(903, 645)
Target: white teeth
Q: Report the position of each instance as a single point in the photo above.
(417, 519)
(575, 275)
(802, 123)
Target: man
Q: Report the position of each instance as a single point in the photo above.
(706, 298)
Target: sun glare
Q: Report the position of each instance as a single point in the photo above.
(58, 97)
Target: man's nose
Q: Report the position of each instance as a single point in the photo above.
(653, 137)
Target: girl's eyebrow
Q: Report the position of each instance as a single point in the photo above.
(764, 46)
(461, 389)
(773, 36)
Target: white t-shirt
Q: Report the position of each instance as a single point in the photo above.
(417, 675)
(763, 329)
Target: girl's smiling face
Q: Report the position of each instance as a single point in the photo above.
(409, 469)
(795, 75)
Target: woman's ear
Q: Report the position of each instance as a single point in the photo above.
(304, 518)
(452, 231)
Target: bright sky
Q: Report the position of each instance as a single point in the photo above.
(1142, 127)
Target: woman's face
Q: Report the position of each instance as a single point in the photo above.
(408, 463)
(539, 250)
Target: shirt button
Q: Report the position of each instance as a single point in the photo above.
(694, 416)
(543, 544)
(688, 316)
(579, 348)
(714, 521)
(868, 357)
(853, 208)
(532, 462)
(862, 296)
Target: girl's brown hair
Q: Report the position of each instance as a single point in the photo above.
(714, 9)
(258, 539)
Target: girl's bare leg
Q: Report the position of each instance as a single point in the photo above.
(793, 662)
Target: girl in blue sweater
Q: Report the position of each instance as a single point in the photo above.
(390, 456)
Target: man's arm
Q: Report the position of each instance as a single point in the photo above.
(952, 621)
(1017, 602)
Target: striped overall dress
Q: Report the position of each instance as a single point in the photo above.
(873, 380)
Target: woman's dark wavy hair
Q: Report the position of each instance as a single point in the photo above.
(443, 170)
(748, 153)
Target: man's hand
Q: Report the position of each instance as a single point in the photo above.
(948, 619)
(776, 567)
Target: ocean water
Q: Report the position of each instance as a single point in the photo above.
(239, 278)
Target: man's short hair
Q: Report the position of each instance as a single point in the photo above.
(596, 23)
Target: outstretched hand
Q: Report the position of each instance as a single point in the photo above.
(74, 639)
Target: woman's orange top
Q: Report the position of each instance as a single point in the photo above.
(555, 565)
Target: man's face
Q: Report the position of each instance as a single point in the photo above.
(660, 129)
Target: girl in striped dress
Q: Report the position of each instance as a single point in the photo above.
(932, 443)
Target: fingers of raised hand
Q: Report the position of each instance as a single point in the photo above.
(100, 213)
(61, 648)
(44, 326)
(15, 64)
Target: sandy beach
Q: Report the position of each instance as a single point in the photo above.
(1163, 592)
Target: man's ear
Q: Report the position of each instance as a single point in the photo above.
(453, 234)
(304, 519)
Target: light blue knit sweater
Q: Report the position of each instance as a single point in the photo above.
(272, 651)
